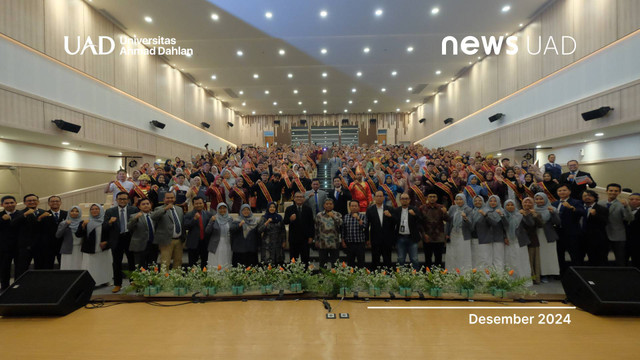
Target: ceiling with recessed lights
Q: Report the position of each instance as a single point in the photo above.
(326, 56)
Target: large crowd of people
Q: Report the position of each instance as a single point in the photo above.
(466, 211)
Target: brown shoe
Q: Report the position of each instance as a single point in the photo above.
(116, 289)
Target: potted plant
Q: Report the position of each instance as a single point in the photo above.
(501, 282)
(435, 281)
(339, 280)
(266, 277)
(404, 279)
(466, 283)
(378, 282)
(298, 275)
(238, 277)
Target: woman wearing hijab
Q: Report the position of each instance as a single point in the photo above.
(216, 193)
(273, 233)
(494, 186)
(528, 229)
(445, 190)
(529, 186)
(458, 254)
(96, 256)
(196, 189)
(514, 186)
(516, 254)
(549, 186)
(244, 240)
(492, 215)
(473, 189)
(547, 236)
(158, 191)
(390, 191)
(220, 227)
(71, 258)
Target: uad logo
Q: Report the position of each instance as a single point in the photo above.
(100, 49)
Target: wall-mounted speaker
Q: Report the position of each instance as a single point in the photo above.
(66, 126)
(496, 117)
(205, 125)
(276, 122)
(422, 120)
(345, 121)
(597, 113)
(230, 123)
(303, 122)
(372, 120)
(158, 124)
(448, 121)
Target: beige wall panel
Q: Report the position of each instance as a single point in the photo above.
(163, 147)
(463, 92)
(125, 137)
(615, 171)
(507, 74)
(146, 143)
(629, 104)
(475, 88)
(126, 71)
(147, 78)
(101, 67)
(612, 118)
(64, 18)
(628, 17)
(509, 136)
(21, 112)
(23, 20)
(491, 141)
(532, 130)
(190, 102)
(530, 66)
(98, 130)
(489, 83)
(53, 112)
(177, 94)
(561, 122)
(163, 85)
(557, 21)
(594, 25)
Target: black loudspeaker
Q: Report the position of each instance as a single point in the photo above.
(157, 124)
(303, 122)
(205, 124)
(448, 121)
(66, 126)
(422, 120)
(604, 290)
(230, 123)
(345, 121)
(276, 122)
(372, 120)
(597, 113)
(47, 292)
(496, 117)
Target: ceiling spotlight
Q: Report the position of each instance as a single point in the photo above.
(266, 92)
(345, 110)
(375, 101)
(366, 50)
(281, 52)
(148, 19)
(299, 102)
(253, 113)
(470, 62)
(275, 103)
(369, 110)
(213, 77)
(323, 51)
(239, 53)
(520, 25)
(398, 109)
(353, 90)
(304, 111)
(244, 104)
(289, 75)
(268, 15)
(350, 101)
(295, 91)
(325, 102)
(599, 134)
(378, 12)
(410, 49)
(506, 8)
(438, 72)
(324, 74)
(188, 55)
(324, 91)
(499, 154)
(407, 100)
(409, 88)
(435, 10)
(383, 89)
(324, 111)
(215, 16)
(255, 76)
(65, 143)
(538, 146)
(359, 73)
(280, 112)
(394, 73)
(323, 13)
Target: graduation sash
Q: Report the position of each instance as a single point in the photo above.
(241, 193)
(296, 179)
(476, 173)
(313, 163)
(119, 186)
(218, 192)
(471, 192)
(286, 179)
(390, 195)
(140, 192)
(187, 172)
(203, 177)
(233, 173)
(246, 178)
(372, 185)
(486, 186)
(485, 166)
(419, 193)
(446, 189)
(265, 192)
(547, 192)
(344, 182)
(529, 192)
(389, 170)
(360, 188)
(226, 184)
(513, 187)
(428, 175)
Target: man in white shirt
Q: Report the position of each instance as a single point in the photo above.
(120, 184)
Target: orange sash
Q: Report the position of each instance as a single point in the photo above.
(547, 192)
(486, 186)
(428, 175)
(246, 178)
(372, 185)
(471, 192)
(241, 193)
(446, 189)
(390, 195)
(119, 186)
(203, 177)
(265, 192)
(218, 193)
(513, 187)
(226, 184)
(140, 191)
(477, 174)
(343, 181)
(416, 190)
(299, 183)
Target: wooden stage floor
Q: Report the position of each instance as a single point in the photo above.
(293, 329)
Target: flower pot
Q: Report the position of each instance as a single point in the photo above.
(435, 292)
(343, 291)
(266, 289)
(405, 291)
(151, 290)
(210, 290)
(499, 292)
(237, 290)
(374, 291)
(179, 291)
(467, 292)
(296, 287)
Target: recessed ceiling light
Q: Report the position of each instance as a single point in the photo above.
(398, 109)
(275, 103)
(599, 134)
(119, 153)
(266, 92)
(299, 102)
(255, 76)
(323, 13)
(506, 8)
(394, 73)
(410, 49)
(324, 111)
(350, 101)
(383, 89)
(470, 62)
(295, 91)
(324, 74)
(241, 92)
(239, 53)
(244, 104)
(538, 146)
(253, 113)
(65, 143)
(506, 34)
(438, 72)
(304, 111)
(353, 90)
(289, 75)
(280, 112)
(375, 101)
(324, 91)
(366, 50)
(213, 77)
(479, 58)
(324, 102)
(520, 25)
(148, 19)
(407, 100)
(281, 52)
(435, 10)
(378, 12)
(369, 110)
(268, 15)
(409, 88)
(323, 50)
(215, 17)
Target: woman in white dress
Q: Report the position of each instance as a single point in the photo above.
(71, 258)
(220, 227)
(96, 256)
(458, 255)
(547, 237)
(516, 253)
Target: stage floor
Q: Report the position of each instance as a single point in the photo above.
(298, 329)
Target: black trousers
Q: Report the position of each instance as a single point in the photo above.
(25, 256)
(433, 250)
(43, 259)
(619, 249)
(575, 248)
(299, 250)
(244, 258)
(6, 258)
(118, 254)
(201, 253)
(146, 257)
(597, 252)
(380, 250)
(328, 255)
(355, 254)
(633, 252)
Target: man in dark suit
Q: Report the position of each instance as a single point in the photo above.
(49, 248)
(633, 231)
(29, 225)
(315, 197)
(340, 196)
(571, 213)
(407, 220)
(119, 237)
(8, 240)
(574, 174)
(381, 231)
(594, 229)
(301, 223)
(195, 222)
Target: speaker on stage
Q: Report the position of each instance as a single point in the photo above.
(604, 290)
(47, 292)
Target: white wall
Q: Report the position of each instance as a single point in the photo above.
(624, 147)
